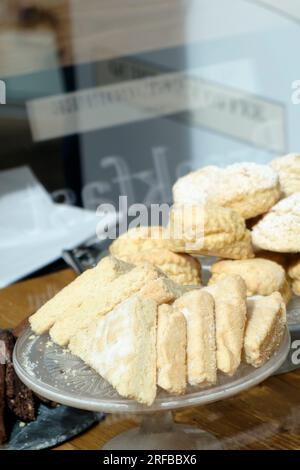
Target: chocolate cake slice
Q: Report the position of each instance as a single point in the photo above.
(19, 399)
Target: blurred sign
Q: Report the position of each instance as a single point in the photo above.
(232, 112)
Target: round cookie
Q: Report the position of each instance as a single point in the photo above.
(181, 268)
(248, 188)
(210, 230)
(288, 169)
(279, 229)
(262, 276)
(294, 274)
(139, 239)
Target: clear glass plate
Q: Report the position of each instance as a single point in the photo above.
(59, 376)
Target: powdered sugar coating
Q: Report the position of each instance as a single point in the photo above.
(249, 188)
(279, 229)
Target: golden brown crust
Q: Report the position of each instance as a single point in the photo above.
(139, 239)
(181, 268)
(266, 320)
(248, 188)
(209, 230)
(262, 276)
(229, 294)
(171, 349)
(198, 308)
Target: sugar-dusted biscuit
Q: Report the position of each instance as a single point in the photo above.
(198, 308)
(171, 349)
(139, 239)
(181, 268)
(288, 169)
(69, 299)
(102, 301)
(230, 309)
(266, 320)
(248, 188)
(279, 229)
(209, 230)
(121, 347)
(262, 276)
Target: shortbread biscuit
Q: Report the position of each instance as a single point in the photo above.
(139, 239)
(230, 309)
(262, 277)
(163, 290)
(71, 297)
(198, 308)
(171, 349)
(294, 274)
(181, 268)
(209, 230)
(121, 347)
(279, 229)
(266, 320)
(248, 188)
(288, 169)
(101, 302)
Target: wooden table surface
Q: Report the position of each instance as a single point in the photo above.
(265, 417)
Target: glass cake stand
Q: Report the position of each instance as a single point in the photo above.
(56, 374)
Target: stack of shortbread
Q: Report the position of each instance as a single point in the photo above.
(139, 329)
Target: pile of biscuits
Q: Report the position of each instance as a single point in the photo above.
(247, 210)
(142, 318)
(141, 330)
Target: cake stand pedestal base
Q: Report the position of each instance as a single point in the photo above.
(159, 432)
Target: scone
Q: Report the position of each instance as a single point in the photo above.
(171, 349)
(181, 268)
(198, 308)
(294, 274)
(248, 188)
(139, 239)
(230, 309)
(121, 347)
(262, 277)
(288, 169)
(73, 295)
(266, 320)
(101, 302)
(209, 230)
(279, 229)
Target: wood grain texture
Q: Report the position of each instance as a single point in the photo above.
(265, 417)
